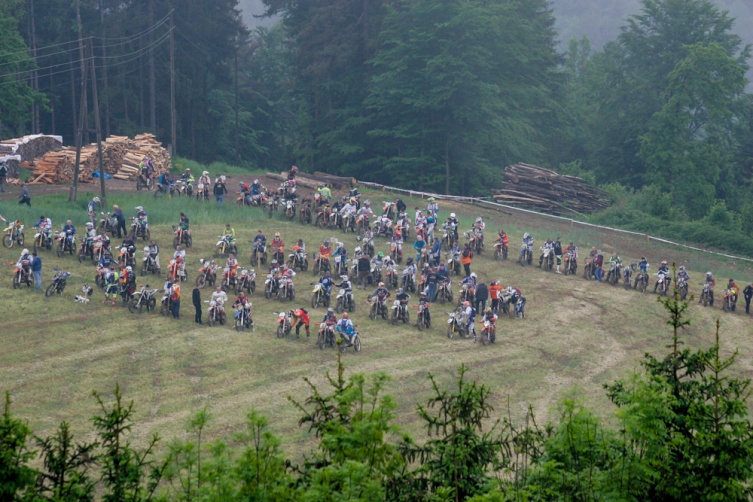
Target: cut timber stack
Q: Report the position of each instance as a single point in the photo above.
(20, 150)
(539, 189)
(312, 181)
(121, 157)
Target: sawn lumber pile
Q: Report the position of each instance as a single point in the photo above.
(540, 189)
(121, 157)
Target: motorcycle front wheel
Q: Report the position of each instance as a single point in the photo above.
(50, 290)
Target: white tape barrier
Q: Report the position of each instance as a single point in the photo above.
(481, 200)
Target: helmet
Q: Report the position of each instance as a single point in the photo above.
(277, 234)
(682, 268)
(358, 249)
(526, 235)
(400, 291)
(326, 241)
(452, 215)
(345, 315)
(380, 254)
(643, 258)
(96, 199)
(731, 280)
(664, 262)
(90, 225)
(222, 178)
(431, 199)
(352, 200)
(344, 277)
(139, 208)
(146, 248)
(205, 173)
(488, 310)
(25, 251)
(708, 274)
(188, 169)
(466, 304)
(129, 269)
(274, 262)
(423, 295)
(330, 310)
(479, 220)
(410, 261)
(381, 284)
(473, 275)
(256, 181)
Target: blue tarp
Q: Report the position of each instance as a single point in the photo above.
(95, 174)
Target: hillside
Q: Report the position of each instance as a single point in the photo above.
(578, 334)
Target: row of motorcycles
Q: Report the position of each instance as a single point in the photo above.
(326, 337)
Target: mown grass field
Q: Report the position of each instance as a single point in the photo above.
(578, 334)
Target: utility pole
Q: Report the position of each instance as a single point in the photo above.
(79, 134)
(83, 68)
(237, 123)
(152, 78)
(173, 118)
(35, 79)
(98, 125)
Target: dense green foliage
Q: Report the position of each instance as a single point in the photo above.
(680, 430)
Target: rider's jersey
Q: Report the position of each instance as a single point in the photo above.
(347, 286)
(381, 293)
(219, 297)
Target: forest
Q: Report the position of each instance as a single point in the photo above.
(421, 94)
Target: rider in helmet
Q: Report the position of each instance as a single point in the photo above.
(327, 283)
(682, 274)
(255, 187)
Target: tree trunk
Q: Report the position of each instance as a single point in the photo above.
(73, 97)
(152, 79)
(447, 165)
(105, 83)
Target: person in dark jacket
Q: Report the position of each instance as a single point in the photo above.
(558, 253)
(197, 304)
(431, 283)
(748, 294)
(3, 174)
(120, 217)
(220, 190)
(400, 206)
(25, 197)
(482, 294)
(364, 271)
(36, 268)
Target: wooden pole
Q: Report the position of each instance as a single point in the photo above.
(173, 118)
(83, 69)
(79, 135)
(98, 125)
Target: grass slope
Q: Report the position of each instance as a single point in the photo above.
(578, 334)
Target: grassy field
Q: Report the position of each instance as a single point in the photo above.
(578, 334)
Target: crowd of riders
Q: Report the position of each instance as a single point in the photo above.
(425, 268)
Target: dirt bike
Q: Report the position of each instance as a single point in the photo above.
(258, 255)
(278, 254)
(144, 182)
(321, 265)
(202, 191)
(285, 289)
(207, 274)
(126, 257)
(345, 301)
(615, 272)
(341, 265)
(108, 224)
(140, 228)
(390, 277)
(662, 283)
(641, 281)
(284, 323)
(270, 287)
(348, 223)
(229, 278)
(409, 281)
(322, 216)
(588, 269)
(43, 239)
(547, 258)
(400, 312)
(99, 279)
(444, 292)
(335, 219)
(707, 295)
(298, 260)
(526, 255)
(58, 282)
(126, 291)
(290, 209)
(143, 299)
(181, 237)
(183, 187)
(304, 215)
(22, 274)
(66, 243)
(571, 263)
(456, 324)
(363, 224)
(367, 246)
(149, 264)
(488, 333)
(396, 251)
(272, 203)
(500, 250)
(216, 312)
(243, 318)
(682, 288)
(467, 294)
(319, 297)
(166, 307)
(378, 308)
(423, 319)
(355, 342)
(14, 234)
(627, 275)
(247, 281)
(85, 251)
(326, 336)
(224, 247)
(729, 301)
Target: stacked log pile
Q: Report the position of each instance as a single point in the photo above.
(539, 189)
(25, 149)
(121, 157)
(312, 181)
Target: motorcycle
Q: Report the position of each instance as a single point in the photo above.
(272, 204)
(488, 333)
(278, 254)
(707, 295)
(224, 247)
(345, 301)
(126, 257)
(140, 228)
(243, 318)
(326, 336)
(22, 274)
(319, 296)
(400, 312)
(349, 222)
(355, 341)
(335, 219)
(682, 288)
(270, 287)
(627, 275)
(729, 301)
(181, 237)
(207, 274)
(456, 324)
(216, 312)
(66, 243)
(547, 258)
(526, 254)
(321, 265)
(202, 191)
(423, 320)
(571, 263)
(86, 250)
(662, 283)
(322, 216)
(444, 292)
(166, 307)
(409, 281)
(304, 215)
(144, 182)
(43, 239)
(14, 234)
(467, 293)
(58, 283)
(641, 281)
(391, 277)
(143, 299)
(183, 187)
(454, 261)
(501, 249)
(108, 224)
(367, 245)
(396, 251)
(259, 255)
(290, 209)
(299, 260)
(247, 281)
(286, 289)
(284, 323)
(149, 263)
(589, 267)
(378, 307)
(229, 278)
(615, 272)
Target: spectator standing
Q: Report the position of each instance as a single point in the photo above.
(599, 264)
(197, 304)
(120, 217)
(3, 175)
(467, 259)
(36, 268)
(431, 284)
(175, 296)
(748, 294)
(482, 295)
(25, 197)
(495, 288)
(220, 190)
